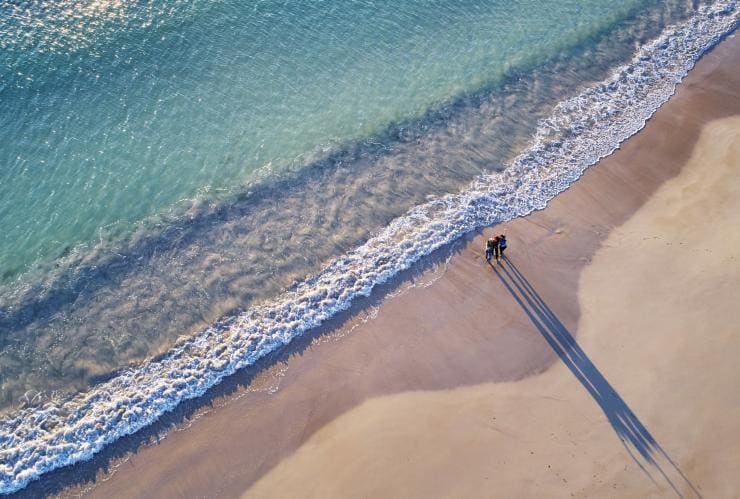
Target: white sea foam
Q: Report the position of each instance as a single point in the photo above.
(580, 131)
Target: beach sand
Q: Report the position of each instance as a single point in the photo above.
(659, 321)
(463, 379)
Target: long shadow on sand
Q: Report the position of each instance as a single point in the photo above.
(632, 433)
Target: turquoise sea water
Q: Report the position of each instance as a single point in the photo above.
(163, 165)
(187, 185)
(222, 136)
(123, 110)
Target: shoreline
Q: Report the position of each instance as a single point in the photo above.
(341, 374)
(458, 442)
(643, 405)
(145, 267)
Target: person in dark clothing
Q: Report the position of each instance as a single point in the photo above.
(501, 244)
(496, 243)
(490, 245)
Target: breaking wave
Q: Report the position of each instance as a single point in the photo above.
(580, 131)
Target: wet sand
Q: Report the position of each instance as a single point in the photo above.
(464, 379)
(644, 405)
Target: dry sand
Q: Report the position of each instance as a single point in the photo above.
(470, 384)
(660, 320)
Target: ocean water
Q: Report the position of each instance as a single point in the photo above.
(118, 111)
(207, 180)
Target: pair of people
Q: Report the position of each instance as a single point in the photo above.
(495, 247)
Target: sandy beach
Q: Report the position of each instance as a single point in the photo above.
(598, 359)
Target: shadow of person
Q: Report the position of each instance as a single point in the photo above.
(630, 430)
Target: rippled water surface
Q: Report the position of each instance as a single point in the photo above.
(163, 164)
(166, 165)
(114, 111)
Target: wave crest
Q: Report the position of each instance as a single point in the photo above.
(580, 131)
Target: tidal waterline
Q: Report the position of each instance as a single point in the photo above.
(133, 300)
(580, 130)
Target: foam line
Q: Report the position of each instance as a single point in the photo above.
(580, 131)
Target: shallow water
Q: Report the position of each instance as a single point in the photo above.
(470, 99)
(120, 302)
(122, 110)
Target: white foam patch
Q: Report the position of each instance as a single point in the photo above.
(580, 131)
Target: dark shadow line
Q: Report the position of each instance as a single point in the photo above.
(631, 421)
(625, 423)
(623, 420)
(622, 432)
(626, 416)
(639, 436)
(562, 354)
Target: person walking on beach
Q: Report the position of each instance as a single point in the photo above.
(501, 244)
(490, 248)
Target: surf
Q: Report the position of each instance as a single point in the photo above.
(580, 131)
